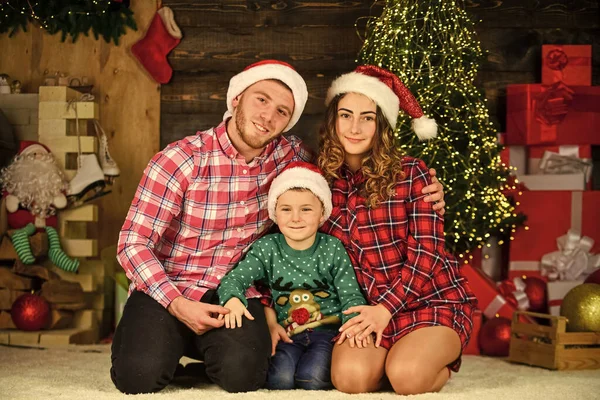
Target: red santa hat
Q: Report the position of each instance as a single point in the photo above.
(269, 69)
(27, 147)
(303, 175)
(388, 92)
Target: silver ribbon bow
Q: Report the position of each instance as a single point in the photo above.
(559, 164)
(573, 260)
(520, 295)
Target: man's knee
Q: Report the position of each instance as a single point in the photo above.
(133, 375)
(240, 371)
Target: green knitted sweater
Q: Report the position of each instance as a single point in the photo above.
(310, 288)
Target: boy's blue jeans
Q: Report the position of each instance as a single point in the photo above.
(304, 364)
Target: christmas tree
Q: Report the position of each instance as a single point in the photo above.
(431, 46)
(106, 18)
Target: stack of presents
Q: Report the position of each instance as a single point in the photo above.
(550, 130)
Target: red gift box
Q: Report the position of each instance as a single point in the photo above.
(472, 347)
(557, 290)
(490, 259)
(567, 182)
(491, 302)
(582, 152)
(550, 215)
(514, 156)
(571, 64)
(555, 114)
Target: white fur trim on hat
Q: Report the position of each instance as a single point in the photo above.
(253, 74)
(34, 148)
(371, 87)
(299, 177)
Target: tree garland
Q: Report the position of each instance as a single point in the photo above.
(106, 18)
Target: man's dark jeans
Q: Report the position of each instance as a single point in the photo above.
(304, 364)
(149, 342)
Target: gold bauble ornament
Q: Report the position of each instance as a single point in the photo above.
(581, 306)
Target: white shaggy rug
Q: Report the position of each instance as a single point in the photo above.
(82, 372)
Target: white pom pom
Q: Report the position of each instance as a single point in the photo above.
(59, 201)
(424, 127)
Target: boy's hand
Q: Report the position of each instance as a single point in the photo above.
(236, 311)
(278, 333)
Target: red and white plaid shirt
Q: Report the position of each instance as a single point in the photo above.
(197, 209)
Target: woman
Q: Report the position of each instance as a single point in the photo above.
(419, 304)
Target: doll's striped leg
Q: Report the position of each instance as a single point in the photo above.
(20, 240)
(56, 253)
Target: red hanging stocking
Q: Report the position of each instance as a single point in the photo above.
(152, 50)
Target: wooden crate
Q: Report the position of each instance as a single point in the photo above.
(552, 346)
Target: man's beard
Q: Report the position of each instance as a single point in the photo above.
(252, 142)
(35, 181)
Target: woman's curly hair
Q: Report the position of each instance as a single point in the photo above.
(382, 166)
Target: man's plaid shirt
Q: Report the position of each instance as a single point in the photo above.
(197, 209)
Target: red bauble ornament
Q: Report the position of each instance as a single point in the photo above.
(536, 290)
(494, 337)
(30, 312)
(594, 278)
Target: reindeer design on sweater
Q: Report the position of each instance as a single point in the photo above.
(305, 311)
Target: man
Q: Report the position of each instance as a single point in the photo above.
(200, 204)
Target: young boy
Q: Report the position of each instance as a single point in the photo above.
(310, 276)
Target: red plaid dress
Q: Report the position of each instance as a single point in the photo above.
(398, 253)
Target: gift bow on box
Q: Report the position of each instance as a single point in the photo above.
(557, 59)
(553, 103)
(573, 258)
(513, 291)
(554, 164)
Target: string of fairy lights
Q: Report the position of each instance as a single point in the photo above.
(28, 8)
(104, 18)
(431, 46)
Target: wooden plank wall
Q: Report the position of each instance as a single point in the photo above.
(129, 100)
(320, 39)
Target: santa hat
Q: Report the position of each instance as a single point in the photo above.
(269, 69)
(388, 92)
(303, 175)
(29, 147)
